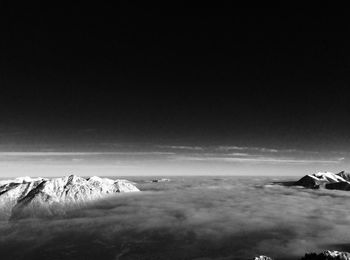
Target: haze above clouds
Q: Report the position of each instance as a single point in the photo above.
(153, 159)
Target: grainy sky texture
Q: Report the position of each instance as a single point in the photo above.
(97, 80)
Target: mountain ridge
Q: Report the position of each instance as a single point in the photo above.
(18, 194)
(328, 180)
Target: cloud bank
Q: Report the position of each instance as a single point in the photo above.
(189, 218)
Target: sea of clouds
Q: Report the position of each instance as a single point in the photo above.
(189, 218)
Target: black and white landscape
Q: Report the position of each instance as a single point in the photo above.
(139, 132)
(185, 218)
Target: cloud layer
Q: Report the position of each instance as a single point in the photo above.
(189, 218)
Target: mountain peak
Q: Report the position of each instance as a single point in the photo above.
(22, 193)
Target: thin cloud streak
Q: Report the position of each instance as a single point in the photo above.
(181, 147)
(260, 149)
(249, 150)
(258, 160)
(238, 154)
(213, 154)
(80, 153)
(217, 148)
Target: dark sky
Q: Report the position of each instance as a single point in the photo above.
(253, 77)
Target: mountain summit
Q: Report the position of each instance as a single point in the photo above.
(21, 194)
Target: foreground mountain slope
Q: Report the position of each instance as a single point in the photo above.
(21, 194)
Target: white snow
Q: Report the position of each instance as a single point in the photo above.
(26, 191)
(327, 177)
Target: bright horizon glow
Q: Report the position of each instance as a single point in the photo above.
(172, 160)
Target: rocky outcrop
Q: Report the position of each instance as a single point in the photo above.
(338, 186)
(161, 180)
(262, 257)
(344, 175)
(16, 196)
(13, 190)
(308, 182)
(327, 255)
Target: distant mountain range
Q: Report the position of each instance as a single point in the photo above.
(328, 180)
(22, 194)
(325, 255)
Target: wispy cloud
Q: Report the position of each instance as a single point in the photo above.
(81, 153)
(259, 159)
(242, 154)
(220, 148)
(181, 147)
(249, 148)
(238, 154)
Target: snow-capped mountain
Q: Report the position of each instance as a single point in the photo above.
(22, 193)
(328, 180)
(262, 257)
(21, 180)
(327, 255)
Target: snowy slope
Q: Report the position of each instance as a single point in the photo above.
(24, 192)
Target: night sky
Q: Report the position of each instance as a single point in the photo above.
(268, 82)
